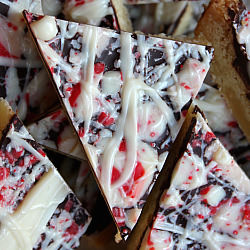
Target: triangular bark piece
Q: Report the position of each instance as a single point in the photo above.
(220, 25)
(207, 204)
(127, 96)
(223, 124)
(37, 208)
(55, 133)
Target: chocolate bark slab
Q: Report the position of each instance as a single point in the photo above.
(105, 13)
(37, 208)
(208, 201)
(223, 124)
(127, 96)
(171, 18)
(55, 132)
(23, 80)
(216, 26)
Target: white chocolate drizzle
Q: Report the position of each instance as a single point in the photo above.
(108, 124)
(210, 211)
(25, 207)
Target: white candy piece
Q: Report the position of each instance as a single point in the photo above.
(215, 195)
(222, 157)
(45, 28)
(111, 82)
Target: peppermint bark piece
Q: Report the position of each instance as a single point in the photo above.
(225, 25)
(224, 125)
(208, 202)
(103, 13)
(127, 96)
(23, 80)
(170, 18)
(55, 132)
(37, 208)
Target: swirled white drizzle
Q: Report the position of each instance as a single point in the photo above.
(26, 208)
(219, 225)
(160, 80)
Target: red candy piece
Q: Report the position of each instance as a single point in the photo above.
(4, 173)
(150, 243)
(235, 200)
(119, 215)
(123, 146)
(73, 229)
(246, 213)
(130, 187)
(74, 94)
(184, 112)
(99, 68)
(127, 188)
(205, 190)
(118, 212)
(68, 205)
(33, 159)
(41, 152)
(81, 132)
(79, 2)
(139, 171)
(233, 124)
(5, 53)
(209, 136)
(16, 154)
(185, 86)
(115, 175)
(105, 119)
(10, 157)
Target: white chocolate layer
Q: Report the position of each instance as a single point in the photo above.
(22, 229)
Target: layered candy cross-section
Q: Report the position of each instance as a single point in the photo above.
(126, 96)
(207, 205)
(37, 208)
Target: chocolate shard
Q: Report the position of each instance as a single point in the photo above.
(224, 125)
(54, 132)
(122, 92)
(23, 80)
(207, 204)
(219, 26)
(106, 13)
(37, 208)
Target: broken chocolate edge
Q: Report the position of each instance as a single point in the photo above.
(240, 62)
(164, 179)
